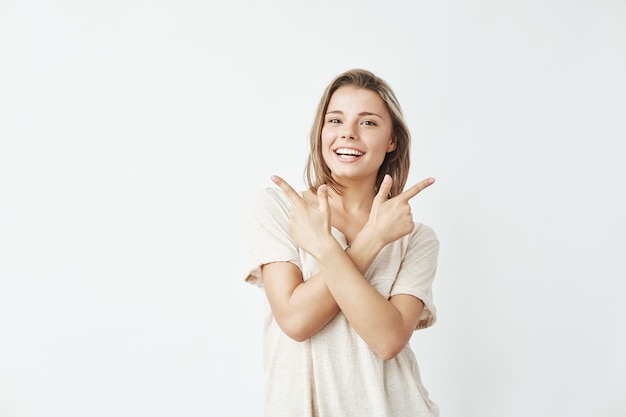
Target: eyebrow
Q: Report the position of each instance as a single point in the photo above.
(363, 113)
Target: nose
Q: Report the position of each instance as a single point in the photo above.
(348, 131)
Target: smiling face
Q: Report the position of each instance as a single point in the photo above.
(356, 135)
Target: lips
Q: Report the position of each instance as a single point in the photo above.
(349, 153)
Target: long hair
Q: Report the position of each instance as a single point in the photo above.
(396, 163)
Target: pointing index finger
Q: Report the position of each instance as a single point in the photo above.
(291, 193)
(417, 188)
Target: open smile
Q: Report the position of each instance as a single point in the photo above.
(348, 153)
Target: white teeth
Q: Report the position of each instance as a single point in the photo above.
(346, 151)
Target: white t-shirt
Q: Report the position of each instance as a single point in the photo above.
(334, 373)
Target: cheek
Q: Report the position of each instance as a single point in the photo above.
(325, 140)
(384, 144)
(325, 143)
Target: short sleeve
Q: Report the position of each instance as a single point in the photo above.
(417, 272)
(268, 234)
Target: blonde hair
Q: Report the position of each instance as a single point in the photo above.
(396, 163)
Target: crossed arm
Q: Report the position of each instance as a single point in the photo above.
(302, 309)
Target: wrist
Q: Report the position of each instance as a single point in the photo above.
(370, 237)
(325, 247)
(327, 251)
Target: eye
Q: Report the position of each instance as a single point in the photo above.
(368, 123)
(333, 120)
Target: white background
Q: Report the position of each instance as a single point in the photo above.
(133, 134)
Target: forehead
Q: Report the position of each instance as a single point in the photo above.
(350, 98)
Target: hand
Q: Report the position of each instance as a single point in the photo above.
(391, 218)
(309, 226)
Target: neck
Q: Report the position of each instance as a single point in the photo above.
(355, 198)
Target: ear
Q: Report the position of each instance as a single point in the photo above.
(392, 144)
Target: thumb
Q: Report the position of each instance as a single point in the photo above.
(322, 198)
(385, 187)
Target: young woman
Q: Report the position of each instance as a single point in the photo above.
(347, 272)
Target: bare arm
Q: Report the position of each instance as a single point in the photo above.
(302, 308)
(385, 325)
